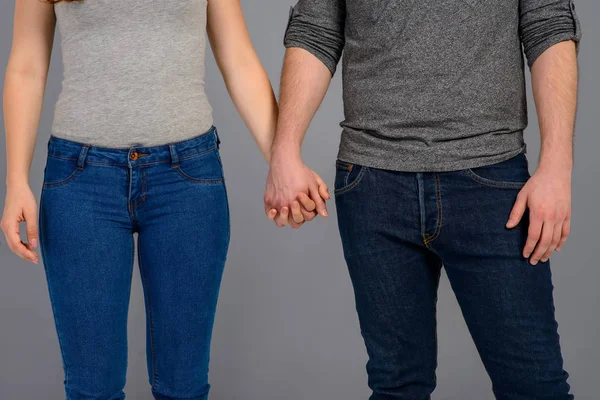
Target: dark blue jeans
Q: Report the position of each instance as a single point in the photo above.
(399, 229)
(93, 201)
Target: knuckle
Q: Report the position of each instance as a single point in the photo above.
(539, 210)
(534, 236)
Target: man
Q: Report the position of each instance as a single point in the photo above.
(432, 173)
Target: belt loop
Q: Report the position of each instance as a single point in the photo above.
(82, 157)
(218, 138)
(174, 157)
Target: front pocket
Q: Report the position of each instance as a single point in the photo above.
(509, 174)
(60, 171)
(204, 168)
(348, 176)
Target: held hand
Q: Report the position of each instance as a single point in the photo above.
(548, 196)
(294, 193)
(20, 207)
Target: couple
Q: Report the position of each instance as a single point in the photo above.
(431, 172)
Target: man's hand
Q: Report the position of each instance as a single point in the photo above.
(548, 196)
(294, 193)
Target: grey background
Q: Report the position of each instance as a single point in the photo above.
(286, 326)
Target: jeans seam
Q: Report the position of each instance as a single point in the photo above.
(150, 320)
(492, 183)
(215, 181)
(60, 341)
(143, 198)
(106, 163)
(435, 315)
(73, 175)
(198, 153)
(421, 206)
(140, 164)
(354, 184)
(61, 157)
(438, 227)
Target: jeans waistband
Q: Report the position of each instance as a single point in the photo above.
(135, 155)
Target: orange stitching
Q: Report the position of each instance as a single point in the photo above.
(491, 183)
(358, 179)
(438, 195)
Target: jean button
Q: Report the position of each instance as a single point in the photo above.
(134, 156)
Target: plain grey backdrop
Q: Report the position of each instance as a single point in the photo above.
(286, 326)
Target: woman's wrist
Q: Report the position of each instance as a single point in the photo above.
(17, 181)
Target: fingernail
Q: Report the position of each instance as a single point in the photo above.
(33, 242)
(534, 262)
(324, 213)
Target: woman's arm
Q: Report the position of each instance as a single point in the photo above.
(251, 92)
(24, 86)
(244, 75)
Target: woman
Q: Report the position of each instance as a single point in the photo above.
(128, 155)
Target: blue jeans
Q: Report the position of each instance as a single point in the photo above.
(399, 229)
(93, 201)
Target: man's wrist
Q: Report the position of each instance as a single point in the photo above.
(286, 149)
(558, 164)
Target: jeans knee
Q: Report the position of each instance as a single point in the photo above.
(94, 385)
(199, 393)
(86, 394)
(552, 389)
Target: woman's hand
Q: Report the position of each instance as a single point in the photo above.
(20, 207)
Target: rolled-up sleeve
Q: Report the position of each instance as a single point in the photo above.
(317, 26)
(544, 23)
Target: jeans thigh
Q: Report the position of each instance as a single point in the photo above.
(508, 307)
(507, 303)
(87, 250)
(395, 279)
(183, 243)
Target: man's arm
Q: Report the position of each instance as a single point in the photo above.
(550, 31)
(315, 41)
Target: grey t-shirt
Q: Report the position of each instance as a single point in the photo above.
(431, 85)
(133, 72)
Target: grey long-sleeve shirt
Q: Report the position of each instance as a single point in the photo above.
(431, 85)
